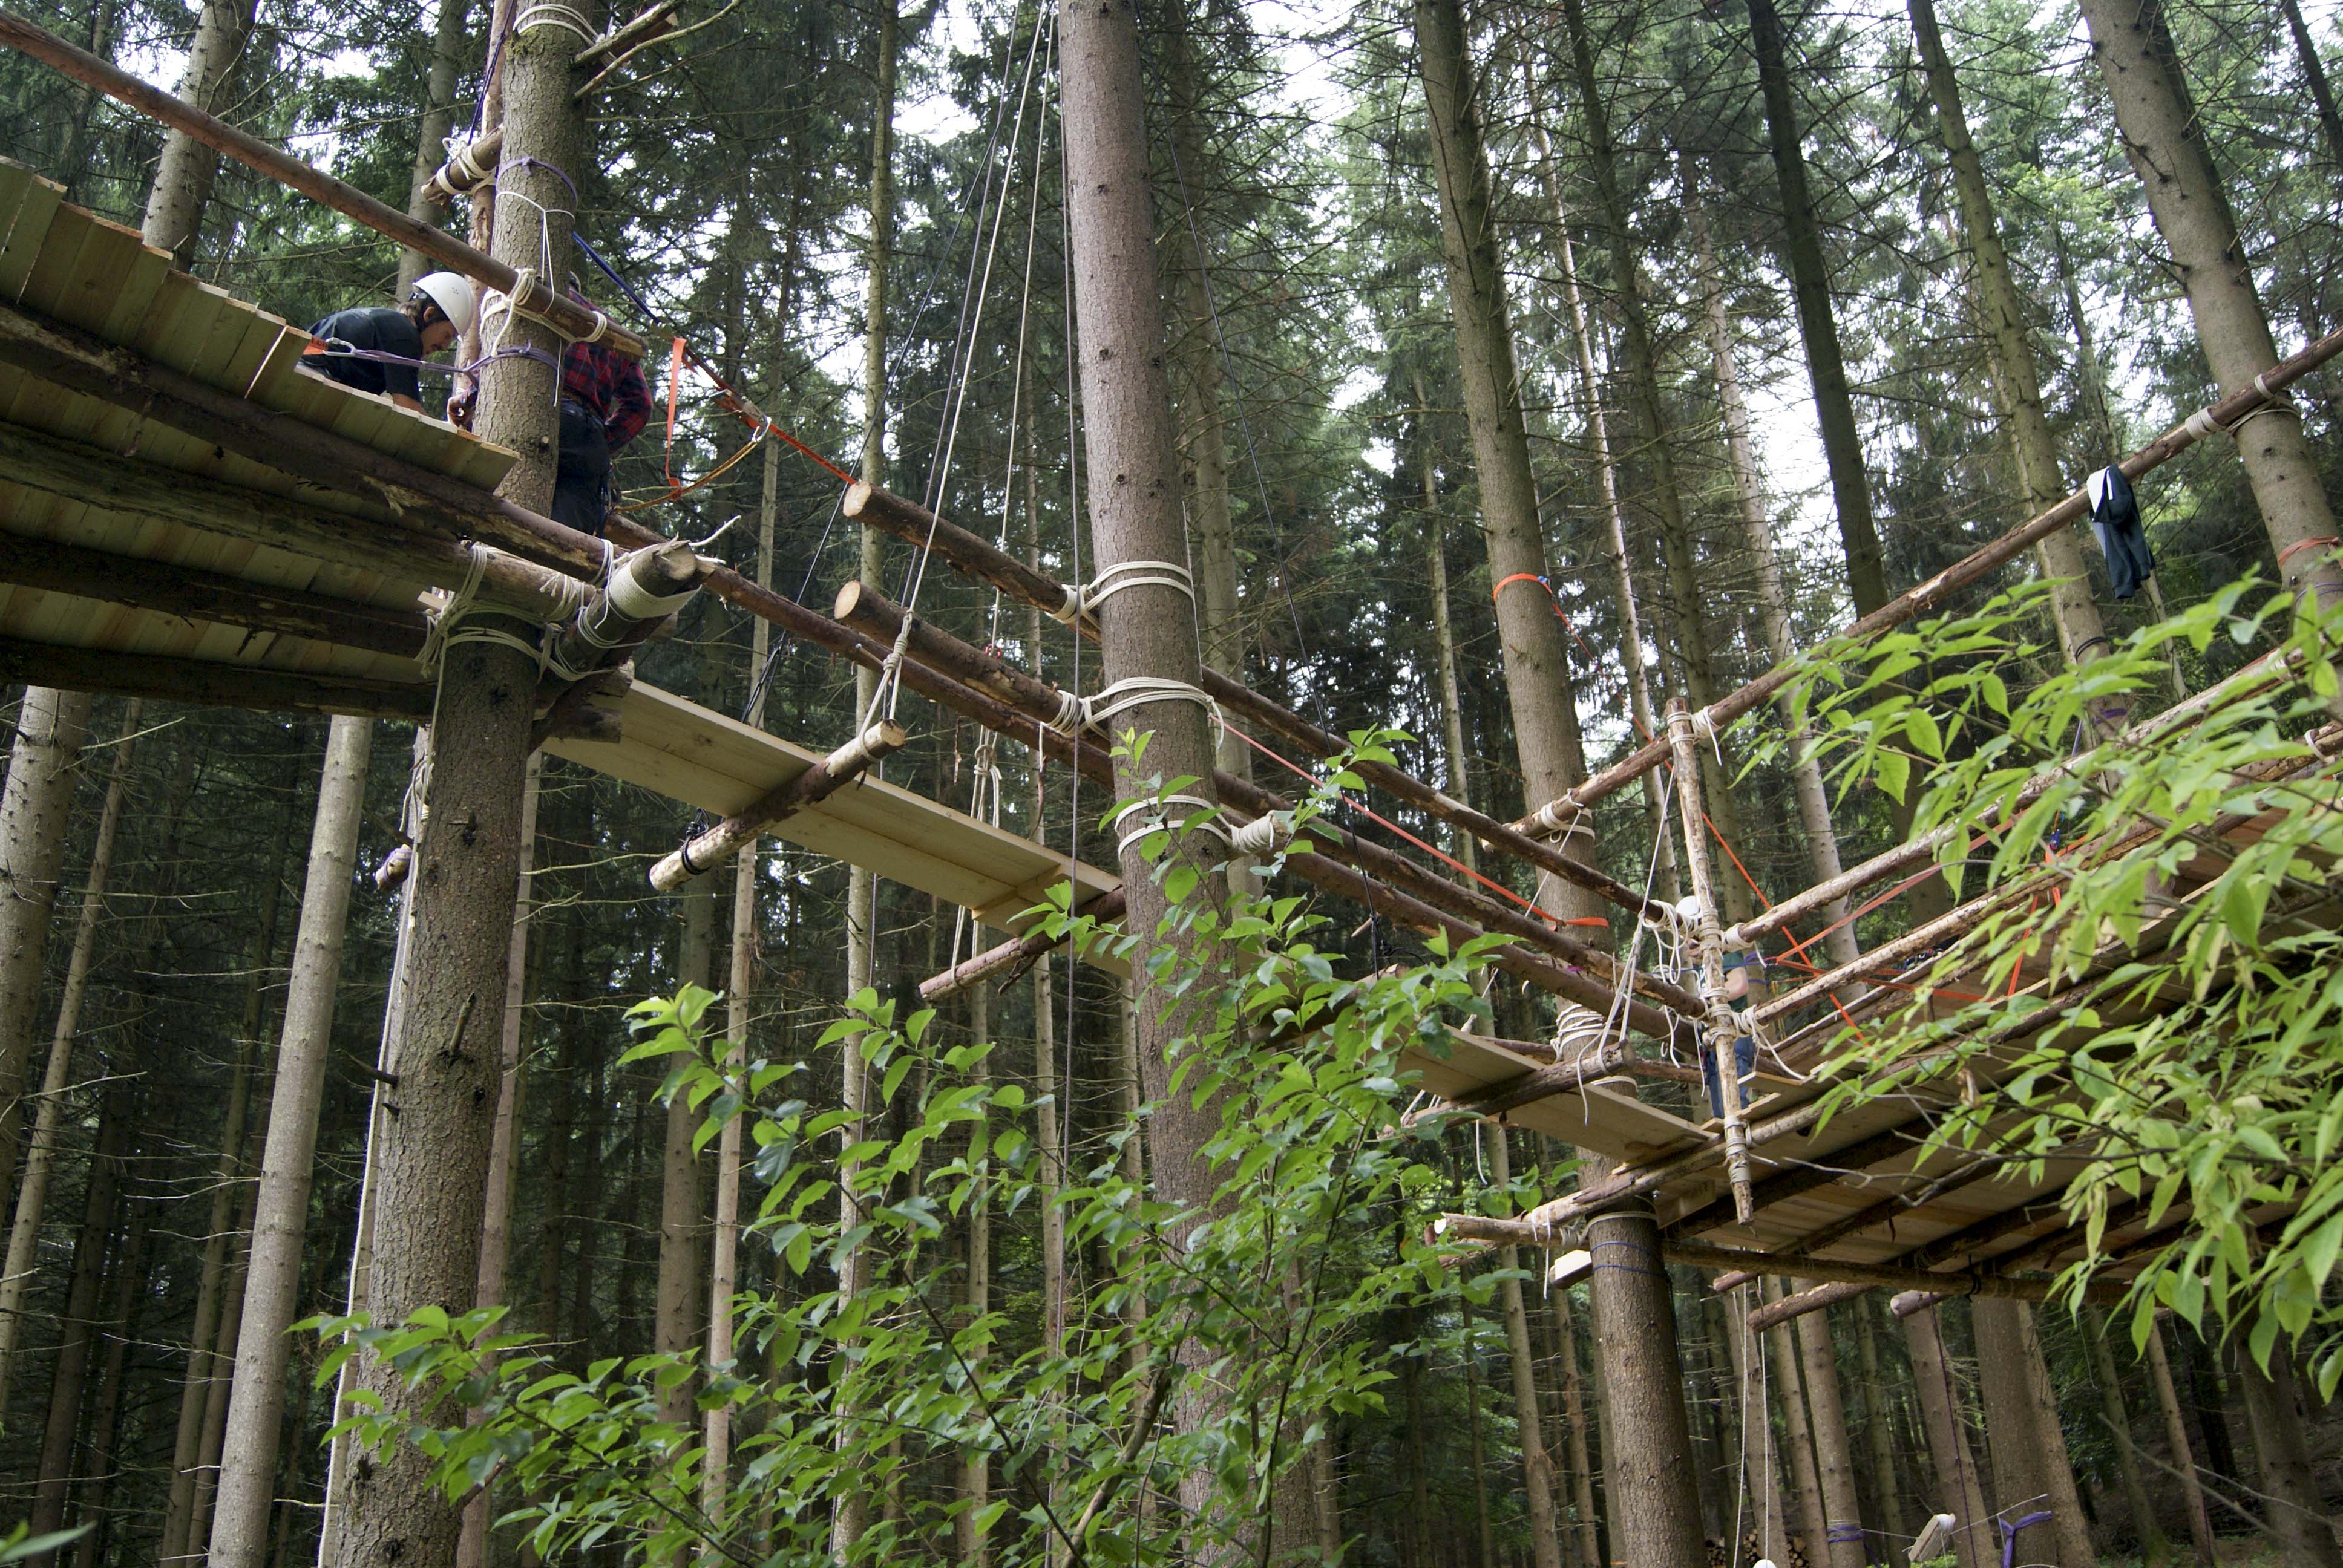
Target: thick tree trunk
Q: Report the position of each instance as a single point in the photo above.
(1537, 1468)
(183, 180)
(1801, 258)
(1537, 666)
(1763, 1454)
(1797, 1436)
(2184, 1456)
(1833, 1457)
(239, 1533)
(216, 1396)
(1655, 1501)
(2009, 348)
(1896, 1521)
(2030, 1473)
(2164, 138)
(2299, 1518)
(682, 1202)
(41, 1153)
(35, 811)
(1959, 1490)
(429, 1169)
(99, 1203)
(1148, 629)
(2154, 1549)
(431, 133)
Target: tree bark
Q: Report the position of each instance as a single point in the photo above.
(2155, 1548)
(682, 1198)
(41, 1153)
(1537, 666)
(1833, 1457)
(72, 1369)
(2032, 1473)
(2164, 138)
(1896, 1521)
(2184, 1456)
(1655, 1501)
(239, 1533)
(2009, 348)
(222, 1359)
(183, 179)
(431, 131)
(1959, 1490)
(1797, 1436)
(131, 1282)
(1487, 1538)
(1573, 1417)
(36, 810)
(2303, 1524)
(2313, 77)
(1764, 1453)
(430, 1165)
(976, 1461)
(1537, 1468)
(1801, 258)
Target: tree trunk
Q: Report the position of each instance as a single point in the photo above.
(2303, 1526)
(2184, 1457)
(431, 134)
(1895, 1520)
(1833, 1457)
(1573, 1417)
(1537, 666)
(41, 1154)
(1457, 770)
(1764, 1453)
(1655, 1501)
(1797, 1436)
(1657, 446)
(2030, 1469)
(2154, 1549)
(131, 1282)
(183, 179)
(976, 1462)
(1959, 1491)
(2009, 349)
(1487, 1535)
(504, 1140)
(65, 1387)
(429, 1170)
(239, 1533)
(2066, 1505)
(215, 1394)
(682, 1202)
(2164, 138)
(2314, 77)
(35, 813)
(1148, 629)
(1537, 1469)
(1801, 258)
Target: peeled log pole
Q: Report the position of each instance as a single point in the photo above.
(1012, 956)
(1909, 604)
(573, 321)
(978, 560)
(415, 498)
(192, 595)
(817, 783)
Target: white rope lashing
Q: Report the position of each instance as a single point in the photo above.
(1084, 598)
(553, 14)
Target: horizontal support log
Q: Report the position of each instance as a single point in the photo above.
(444, 248)
(648, 589)
(209, 597)
(1014, 956)
(1796, 1304)
(204, 684)
(99, 479)
(967, 554)
(816, 784)
(1915, 602)
(405, 494)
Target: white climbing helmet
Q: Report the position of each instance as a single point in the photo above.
(452, 293)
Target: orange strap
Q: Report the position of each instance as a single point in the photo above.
(674, 390)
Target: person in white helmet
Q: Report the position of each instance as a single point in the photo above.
(379, 348)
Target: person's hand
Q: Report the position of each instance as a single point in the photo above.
(460, 407)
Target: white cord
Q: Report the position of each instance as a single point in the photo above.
(1080, 600)
(552, 14)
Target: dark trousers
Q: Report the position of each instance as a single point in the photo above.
(581, 474)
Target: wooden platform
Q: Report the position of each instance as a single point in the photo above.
(76, 269)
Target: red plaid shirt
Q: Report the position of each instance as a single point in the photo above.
(609, 386)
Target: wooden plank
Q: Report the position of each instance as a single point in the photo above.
(15, 179)
(692, 754)
(136, 294)
(178, 329)
(82, 266)
(30, 225)
(1599, 1116)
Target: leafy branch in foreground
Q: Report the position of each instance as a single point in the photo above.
(2152, 988)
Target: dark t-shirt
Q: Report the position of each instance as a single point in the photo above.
(379, 329)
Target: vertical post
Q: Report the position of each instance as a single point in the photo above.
(1654, 1496)
(1724, 1033)
(1958, 1490)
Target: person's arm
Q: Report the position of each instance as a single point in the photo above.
(630, 404)
(412, 404)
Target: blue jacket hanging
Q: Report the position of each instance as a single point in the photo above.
(2115, 516)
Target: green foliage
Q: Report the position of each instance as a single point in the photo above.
(1249, 1311)
(2161, 1016)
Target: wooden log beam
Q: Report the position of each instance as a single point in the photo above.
(444, 248)
(1012, 957)
(398, 492)
(210, 597)
(1927, 595)
(816, 784)
(205, 684)
(1878, 1276)
(96, 478)
(1818, 1170)
(1796, 1304)
(975, 558)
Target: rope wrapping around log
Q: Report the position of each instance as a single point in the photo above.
(816, 784)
